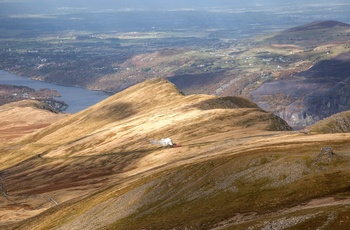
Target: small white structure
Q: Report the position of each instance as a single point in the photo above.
(165, 142)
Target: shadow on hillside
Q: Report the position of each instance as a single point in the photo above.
(51, 174)
(115, 111)
(195, 83)
(335, 69)
(225, 103)
(310, 95)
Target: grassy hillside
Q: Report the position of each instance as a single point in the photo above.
(338, 123)
(18, 119)
(233, 187)
(238, 167)
(152, 109)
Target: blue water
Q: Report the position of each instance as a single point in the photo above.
(77, 98)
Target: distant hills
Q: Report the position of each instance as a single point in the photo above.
(299, 74)
(318, 25)
(304, 96)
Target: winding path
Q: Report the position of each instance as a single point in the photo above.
(4, 193)
(3, 189)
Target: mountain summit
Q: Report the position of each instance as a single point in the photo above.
(318, 25)
(152, 109)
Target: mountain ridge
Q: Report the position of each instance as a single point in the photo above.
(322, 24)
(142, 100)
(98, 168)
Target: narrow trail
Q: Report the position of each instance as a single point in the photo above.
(3, 192)
(241, 218)
(3, 188)
(53, 201)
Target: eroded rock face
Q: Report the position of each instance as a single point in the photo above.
(309, 96)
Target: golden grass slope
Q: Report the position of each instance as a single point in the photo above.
(150, 110)
(23, 117)
(338, 123)
(20, 118)
(238, 167)
(77, 154)
(253, 179)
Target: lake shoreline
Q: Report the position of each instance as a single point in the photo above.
(77, 98)
(15, 93)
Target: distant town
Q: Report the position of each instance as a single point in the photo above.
(10, 93)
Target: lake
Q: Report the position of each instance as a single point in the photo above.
(77, 98)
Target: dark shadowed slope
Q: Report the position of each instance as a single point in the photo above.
(315, 82)
(311, 95)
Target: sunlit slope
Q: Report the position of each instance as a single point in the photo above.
(109, 143)
(338, 123)
(150, 110)
(236, 168)
(247, 181)
(21, 118)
